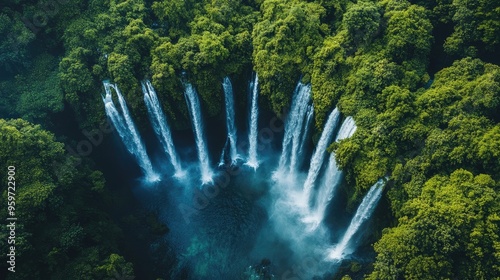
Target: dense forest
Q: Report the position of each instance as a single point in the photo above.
(420, 78)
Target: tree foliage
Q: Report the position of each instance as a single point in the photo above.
(284, 41)
(450, 230)
(215, 41)
(475, 23)
(62, 230)
(40, 91)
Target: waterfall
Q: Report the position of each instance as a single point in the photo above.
(222, 160)
(303, 141)
(304, 98)
(254, 116)
(160, 126)
(332, 177)
(346, 130)
(288, 219)
(320, 152)
(363, 213)
(127, 131)
(296, 126)
(231, 127)
(195, 111)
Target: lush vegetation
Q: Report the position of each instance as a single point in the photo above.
(421, 78)
(50, 197)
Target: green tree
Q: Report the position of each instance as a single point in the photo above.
(408, 33)
(285, 40)
(40, 91)
(362, 22)
(449, 231)
(14, 45)
(488, 149)
(218, 44)
(62, 231)
(116, 267)
(110, 40)
(476, 27)
(329, 71)
(175, 15)
(468, 86)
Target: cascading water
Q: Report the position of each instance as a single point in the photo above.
(287, 195)
(160, 126)
(302, 124)
(295, 129)
(231, 127)
(320, 152)
(222, 159)
(309, 117)
(332, 177)
(364, 211)
(252, 160)
(195, 111)
(346, 130)
(127, 131)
